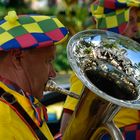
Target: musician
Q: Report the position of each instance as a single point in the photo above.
(120, 17)
(27, 50)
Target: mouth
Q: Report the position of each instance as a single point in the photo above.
(45, 85)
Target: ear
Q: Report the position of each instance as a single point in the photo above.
(16, 56)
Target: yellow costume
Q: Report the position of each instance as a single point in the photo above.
(12, 127)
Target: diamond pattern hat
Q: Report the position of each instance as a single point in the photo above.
(112, 15)
(30, 31)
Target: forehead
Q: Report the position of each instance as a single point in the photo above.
(48, 52)
(134, 11)
(43, 50)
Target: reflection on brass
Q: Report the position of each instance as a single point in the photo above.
(107, 60)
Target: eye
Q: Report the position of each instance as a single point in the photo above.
(50, 61)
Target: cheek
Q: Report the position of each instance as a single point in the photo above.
(40, 71)
(46, 70)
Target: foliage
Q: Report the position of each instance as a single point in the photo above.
(76, 18)
(61, 63)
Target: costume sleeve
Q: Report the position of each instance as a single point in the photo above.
(76, 86)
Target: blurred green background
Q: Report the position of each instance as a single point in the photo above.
(74, 14)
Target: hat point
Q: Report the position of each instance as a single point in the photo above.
(11, 17)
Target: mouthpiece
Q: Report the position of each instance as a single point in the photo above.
(52, 86)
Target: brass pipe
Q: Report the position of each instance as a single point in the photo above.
(52, 86)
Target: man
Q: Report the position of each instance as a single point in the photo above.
(120, 17)
(27, 50)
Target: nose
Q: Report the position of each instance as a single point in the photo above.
(135, 27)
(52, 72)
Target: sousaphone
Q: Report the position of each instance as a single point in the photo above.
(108, 64)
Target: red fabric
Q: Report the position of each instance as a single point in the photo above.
(58, 136)
(110, 4)
(68, 111)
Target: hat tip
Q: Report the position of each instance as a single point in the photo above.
(11, 17)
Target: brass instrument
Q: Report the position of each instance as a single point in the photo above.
(52, 86)
(108, 64)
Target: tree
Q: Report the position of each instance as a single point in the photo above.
(14, 3)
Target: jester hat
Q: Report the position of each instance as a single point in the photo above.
(30, 31)
(112, 15)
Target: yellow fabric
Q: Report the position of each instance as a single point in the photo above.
(70, 102)
(125, 116)
(11, 125)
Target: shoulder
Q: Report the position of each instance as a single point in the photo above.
(5, 113)
(5, 122)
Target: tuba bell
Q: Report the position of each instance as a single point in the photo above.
(108, 64)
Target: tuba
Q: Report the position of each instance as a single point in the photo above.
(108, 64)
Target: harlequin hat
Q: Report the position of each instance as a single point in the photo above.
(30, 31)
(112, 15)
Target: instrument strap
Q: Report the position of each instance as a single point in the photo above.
(10, 100)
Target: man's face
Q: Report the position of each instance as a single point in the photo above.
(38, 68)
(132, 26)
